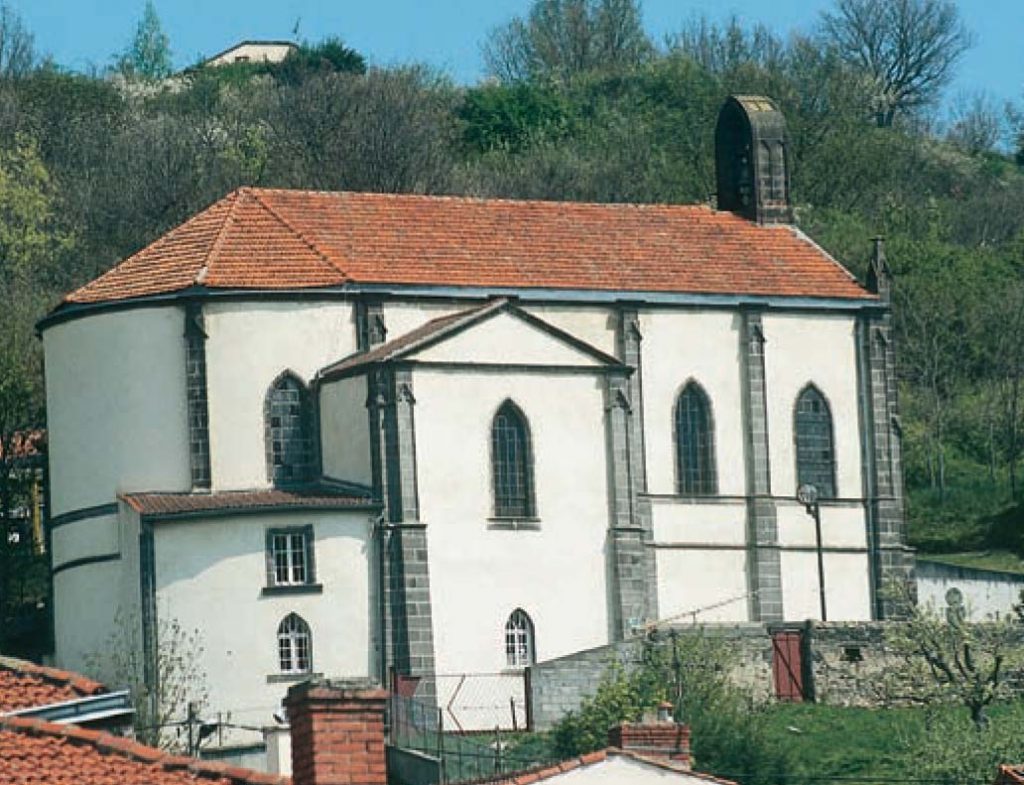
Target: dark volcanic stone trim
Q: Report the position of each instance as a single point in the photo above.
(764, 566)
(197, 396)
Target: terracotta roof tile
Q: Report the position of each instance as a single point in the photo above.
(1010, 775)
(276, 239)
(24, 685)
(33, 752)
(173, 504)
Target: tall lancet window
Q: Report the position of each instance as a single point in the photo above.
(294, 645)
(288, 431)
(815, 450)
(519, 643)
(512, 463)
(695, 443)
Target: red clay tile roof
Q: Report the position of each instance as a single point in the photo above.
(173, 504)
(541, 773)
(24, 685)
(275, 239)
(27, 444)
(34, 752)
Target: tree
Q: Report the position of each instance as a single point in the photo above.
(560, 39)
(908, 48)
(180, 680)
(976, 123)
(950, 661)
(148, 56)
(17, 45)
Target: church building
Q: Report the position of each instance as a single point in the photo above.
(393, 436)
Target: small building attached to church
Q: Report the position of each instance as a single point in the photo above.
(404, 436)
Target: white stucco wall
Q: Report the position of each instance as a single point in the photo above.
(594, 324)
(821, 350)
(85, 602)
(401, 316)
(986, 594)
(344, 430)
(479, 575)
(116, 414)
(254, 53)
(703, 346)
(210, 575)
(841, 526)
(250, 344)
(847, 587)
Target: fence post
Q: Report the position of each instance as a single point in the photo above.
(497, 749)
(440, 744)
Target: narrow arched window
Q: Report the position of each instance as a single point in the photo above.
(294, 645)
(815, 452)
(695, 443)
(288, 430)
(512, 463)
(519, 645)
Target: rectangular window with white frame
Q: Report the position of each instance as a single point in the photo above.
(290, 560)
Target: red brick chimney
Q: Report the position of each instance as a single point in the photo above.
(658, 737)
(337, 730)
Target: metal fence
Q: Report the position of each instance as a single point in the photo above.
(418, 726)
(472, 701)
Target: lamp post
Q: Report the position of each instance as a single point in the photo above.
(807, 495)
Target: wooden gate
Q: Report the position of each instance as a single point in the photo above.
(787, 666)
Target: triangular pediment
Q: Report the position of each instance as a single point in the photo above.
(512, 337)
(497, 333)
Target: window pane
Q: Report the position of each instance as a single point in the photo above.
(815, 453)
(513, 491)
(695, 446)
(290, 451)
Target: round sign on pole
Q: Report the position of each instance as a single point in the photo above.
(807, 494)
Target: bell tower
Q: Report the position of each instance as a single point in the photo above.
(751, 160)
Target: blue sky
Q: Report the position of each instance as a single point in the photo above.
(447, 33)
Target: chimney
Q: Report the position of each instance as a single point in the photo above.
(659, 738)
(752, 160)
(879, 278)
(337, 731)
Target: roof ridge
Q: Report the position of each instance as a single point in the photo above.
(696, 207)
(288, 225)
(235, 197)
(107, 744)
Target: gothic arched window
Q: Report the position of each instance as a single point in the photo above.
(294, 645)
(512, 463)
(695, 443)
(519, 643)
(288, 430)
(815, 452)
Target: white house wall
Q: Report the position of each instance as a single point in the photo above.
(820, 350)
(210, 575)
(344, 430)
(85, 602)
(700, 346)
(402, 316)
(249, 345)
(115, 397)
(480, 574)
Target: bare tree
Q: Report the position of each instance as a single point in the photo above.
(976, 123)
(562, 38)
(908, 48)
(17, 45)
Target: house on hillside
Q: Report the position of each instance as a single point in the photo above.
(435, 439)
(252, 52)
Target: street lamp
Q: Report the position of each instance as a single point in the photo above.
(807, 495)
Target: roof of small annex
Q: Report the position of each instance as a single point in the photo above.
(552, 770)
(34, 751)
(25, 684)
(1010, 775)
(443, 327)
(279, 240)
(313, 496)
